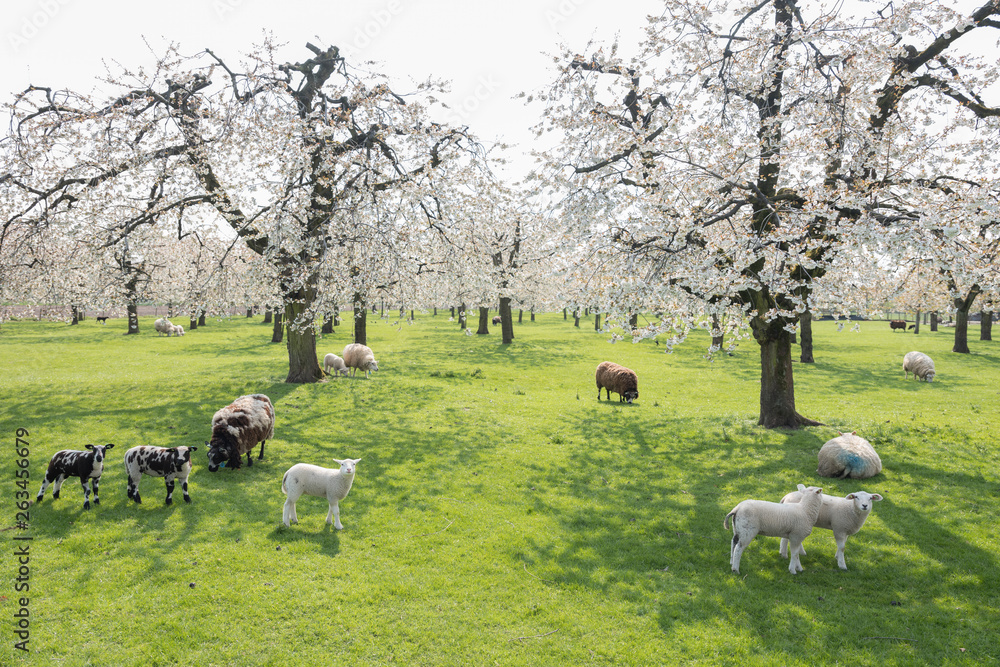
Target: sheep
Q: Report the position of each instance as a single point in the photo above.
(333, 362)
(920, 365)
(88, 465)
(360, 356)
(170, 463)
(162, 326)
(848, 455)
(897, 324)
(497, 319)
(176, 330)
(311, 480)
(792, 521)
(237, 428)
(614, 378)
(844, 516)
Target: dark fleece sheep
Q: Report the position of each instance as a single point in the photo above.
(237, 428)
(614, 378)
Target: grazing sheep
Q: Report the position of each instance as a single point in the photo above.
(614, 378)
(176, 330)
(848, 455)
(304, 478)
(920, 365)
(87, 465)
(897, 324)
(792, 521)
(360, 356)
(497, 319)
(333, 362)
(237, 428)
(844, 516)
(162, 326)
(170, 463)
(102, 320)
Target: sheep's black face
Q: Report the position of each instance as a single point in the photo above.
(217, 456)
(631, 396)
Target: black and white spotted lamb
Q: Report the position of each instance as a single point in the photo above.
(88, 466)
(237, 428)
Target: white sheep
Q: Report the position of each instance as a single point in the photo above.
(793, 521)
(920, 365)
(360, 356)
(176, 330)
(844, 516)
(317, 481)
(332, 361)
(848, 455)
(162, 326)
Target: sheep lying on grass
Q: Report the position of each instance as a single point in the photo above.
(360, 356)
(848, 455)
(333, 362)
(844, 516)
(304, 478)
(793, 521)
(920, 365)
(614, 378)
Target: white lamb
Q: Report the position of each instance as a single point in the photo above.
(332, 361)
(844, 516)
(920, 365)
(792, 521)
(162, 326)
(176, 330)
(360, 356)
(317, 481)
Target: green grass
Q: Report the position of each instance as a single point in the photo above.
(500, 513)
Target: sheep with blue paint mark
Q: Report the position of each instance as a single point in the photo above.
(848, 455)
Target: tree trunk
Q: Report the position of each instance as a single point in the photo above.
(962, 307)
(76, 315)
(277, 331)
(564, 314)
(806, 330)
(934, 321)
(597, 321)
(777, 389)
(506, 321)
(462, 317)
(453, 312)
(717, 338)
(520, 315)
(201, 319)
(249, 313)
(532, 314)
(360, 321)
(413, 317)
(133, 318)
(484, 321)
(327, 324)
(986, 325)
(633, 321)
(267, 316)
(336, 315)
(576, 318)
(193, 324)
(916, 324)
(303, 366)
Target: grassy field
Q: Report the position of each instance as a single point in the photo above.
(500, 513)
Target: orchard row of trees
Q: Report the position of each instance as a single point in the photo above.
(747, 166)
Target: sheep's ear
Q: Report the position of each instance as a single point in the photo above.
(108, 446)
(851, 496)
(88, 446)
(802, 487)
(876, 496)
(854, 432)
(340, 461)
(192, 449)
(819, 490)
(355, 460)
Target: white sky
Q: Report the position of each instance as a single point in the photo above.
(489, 50)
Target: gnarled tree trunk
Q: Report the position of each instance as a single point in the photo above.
(777, 388)
(303, 366)
(484, 321)
(962, 307)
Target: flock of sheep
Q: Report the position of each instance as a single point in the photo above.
(249, 421)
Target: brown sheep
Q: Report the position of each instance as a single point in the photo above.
(237, 428)
(614, 378)
(897, 324)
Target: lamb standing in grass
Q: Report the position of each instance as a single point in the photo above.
(317, 481)
(793, 521)
(162, 326)
(844, 516)
(360, 356)
(176, 330)
(848, 455)
(333, 362)
(920, 365)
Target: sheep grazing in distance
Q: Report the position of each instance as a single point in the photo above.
(333, 362)
(237, 428)
(844, 516)
(497, 319)
(176, 330)
(614, 378)
(848, 455)
(897, 324)
(304, 478)
(360, 356)
(162, 326)
(170, 463)
(88, 465)
(920, 365)
(793, 521)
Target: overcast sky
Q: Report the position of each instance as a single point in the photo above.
(489, 50)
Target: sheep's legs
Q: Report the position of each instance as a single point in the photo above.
(793, 563)
(261, 455)
(86, 493)
(288, 515)
(737, 552)
(783, 548)
(93, 484)
(170, 491)
(841, 543)
(45, 485)
(335, 513)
